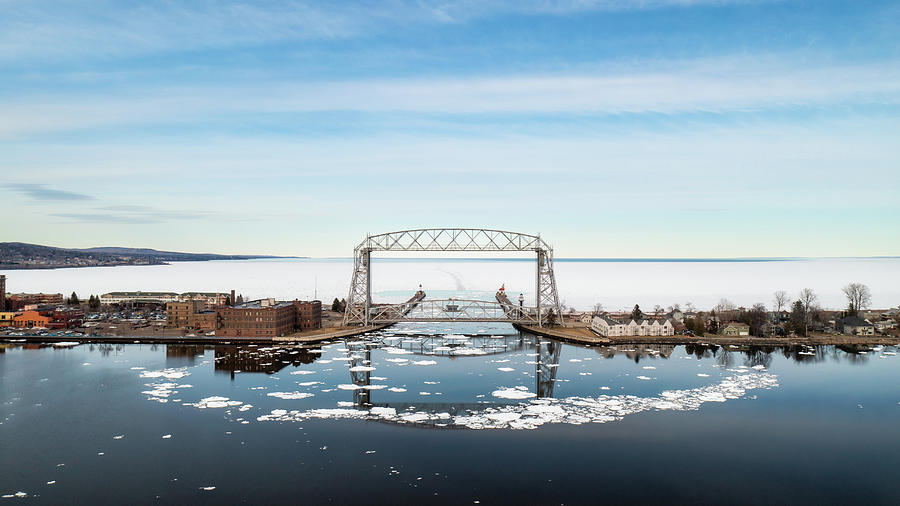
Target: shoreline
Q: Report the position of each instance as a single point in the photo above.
(582, 335)
(571, 335)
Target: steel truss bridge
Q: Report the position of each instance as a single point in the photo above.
(361, 311)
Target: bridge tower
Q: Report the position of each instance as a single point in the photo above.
(359, 299)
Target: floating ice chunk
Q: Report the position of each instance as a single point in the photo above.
(645, 378)
(517, 393)
(309, 383)
(396, 351)
(424, 393)
(65, 344)
(51, 482)
(167, 436)
(377, 378)
(348, 387)
(345, 404)
(702, 375)
(397, 360)
(245, 407)
(431, 382)
(505, 369)
(468, 351)
(303, 372)
(166, 373)
(574, 360)
(649, 367)
(759, 367)
(138, 368)
(504, 417)
(290, 395)
(120, 436)
(384, 412)
(374, 387)
(396, 389)
(362, 368)
(207, 489)
(424, 362)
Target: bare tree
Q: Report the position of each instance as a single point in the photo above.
(598, 309)
(689, 307)
(858, 297)
(657, 310)
(781, 300)
(809, 300)
(726, 310)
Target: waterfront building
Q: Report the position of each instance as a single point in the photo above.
(178, 314)
(734, 329)
(2, 292)
(856, 326)
(267, 318)
(309, 314)
(885, 324)
(605, 326)
(258, 318)
(66, 318)
(207, 300)
(31, 318)
(6, 318)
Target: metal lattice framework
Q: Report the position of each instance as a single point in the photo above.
(360, 310)
(436, 310)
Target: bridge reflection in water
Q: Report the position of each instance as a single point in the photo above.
(360, 353)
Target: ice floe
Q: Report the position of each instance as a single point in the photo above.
(303, 372)
(215, 402)
(362, 368)
(505, 369)
(424, 362)
(166, 373)
(537, 412)
(290, 395)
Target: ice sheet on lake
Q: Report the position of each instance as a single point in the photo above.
(537, 412)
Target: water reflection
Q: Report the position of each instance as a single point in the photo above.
(232, 359)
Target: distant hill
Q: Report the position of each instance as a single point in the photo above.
(18, 255)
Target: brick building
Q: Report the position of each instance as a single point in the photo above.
(66, 319)
(20, 300)
(31, 318)
(309, 314)
(192, 315)
(258, 318)
(178, 314)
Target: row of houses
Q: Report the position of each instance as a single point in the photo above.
(605, 326)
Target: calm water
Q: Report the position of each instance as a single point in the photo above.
(616, 284)
(429, 414)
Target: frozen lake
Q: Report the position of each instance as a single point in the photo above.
(431, 414)
(582, 283)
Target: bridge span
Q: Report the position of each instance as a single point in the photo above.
(361, 311)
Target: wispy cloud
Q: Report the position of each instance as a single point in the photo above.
(704, 86)
(42, 192)
(110, 28)
(131, 214)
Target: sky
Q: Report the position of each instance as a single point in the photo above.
(614, 128)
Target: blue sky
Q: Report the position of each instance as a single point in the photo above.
(615, 128)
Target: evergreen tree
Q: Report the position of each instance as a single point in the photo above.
(636, 313)
(798, 318)
(73, 300)
(336, 305)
